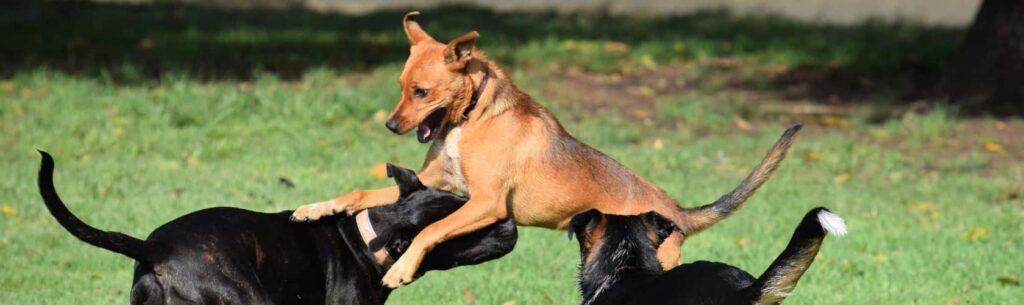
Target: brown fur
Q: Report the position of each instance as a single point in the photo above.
(514, 158)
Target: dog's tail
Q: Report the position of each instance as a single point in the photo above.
(129, 246)
(780, 278)
(698, 218)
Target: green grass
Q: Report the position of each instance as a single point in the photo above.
(222, 105)
(133, 157)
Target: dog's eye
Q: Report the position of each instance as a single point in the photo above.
(419, 92)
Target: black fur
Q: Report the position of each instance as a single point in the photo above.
(234, 256)
(624, 268)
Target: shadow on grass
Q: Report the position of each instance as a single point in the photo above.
(138, 43)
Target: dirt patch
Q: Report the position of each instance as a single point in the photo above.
(633, 93)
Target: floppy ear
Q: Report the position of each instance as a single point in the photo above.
(460, 50)
(405, 179)
(413, 29)
(398, 240)
(662, 226)
(579, 223)
(378, 242)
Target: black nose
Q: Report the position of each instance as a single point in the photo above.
(392, 125)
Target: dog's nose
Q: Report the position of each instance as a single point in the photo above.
(392, 125)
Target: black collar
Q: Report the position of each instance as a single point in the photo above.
(476, 94)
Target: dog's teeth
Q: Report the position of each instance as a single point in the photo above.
(832, 223)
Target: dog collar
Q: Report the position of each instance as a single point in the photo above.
(476, 93)
(367, 233)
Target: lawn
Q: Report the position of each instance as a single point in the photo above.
(933, 199)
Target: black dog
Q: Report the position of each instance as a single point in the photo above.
(620, 265)
(234, 256)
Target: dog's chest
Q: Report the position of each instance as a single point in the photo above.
(451, 159)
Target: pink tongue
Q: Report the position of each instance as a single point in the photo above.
(424, 131)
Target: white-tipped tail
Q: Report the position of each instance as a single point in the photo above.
(832, 223)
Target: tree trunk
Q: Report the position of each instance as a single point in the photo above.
(987, 73)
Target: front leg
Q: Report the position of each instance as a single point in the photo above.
(481, 210)
(359, 200)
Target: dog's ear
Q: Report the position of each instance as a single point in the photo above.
(395, 239)
(582, 222)
(405, 179)
(378, 242)
(661, 226)
(413, 29)
(460, 50)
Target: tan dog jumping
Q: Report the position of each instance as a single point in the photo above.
(494, 143)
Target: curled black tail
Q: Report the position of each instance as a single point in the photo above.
(113, 241)
(779, 280)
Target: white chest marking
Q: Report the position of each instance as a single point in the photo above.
(452, 160)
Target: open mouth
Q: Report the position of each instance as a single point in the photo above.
(428, 128)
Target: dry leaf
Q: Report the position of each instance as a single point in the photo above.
(744, 125)
(954, 300)
(743, 241)
(511, 302)
(881, 258)
(380, 116)
(615, 47)
(379, 170)
(927, 208)
(467, 296)
(811, 155)
(993, 147)
(976, 233)
(641, 115)
(646, 91)
(658, 144)
(834, 121)
(8, 85)
(9, 210)
(147, 44)
(842, 177)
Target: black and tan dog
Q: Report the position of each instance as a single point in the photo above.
(235, 256)
(620, 265)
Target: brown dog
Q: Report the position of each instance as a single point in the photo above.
(494, 143)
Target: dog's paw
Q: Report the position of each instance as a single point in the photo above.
(314, 211)
(402, 272)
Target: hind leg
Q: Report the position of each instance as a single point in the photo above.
(669, 251)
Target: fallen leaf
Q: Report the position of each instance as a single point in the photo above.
(954, 300)
(744, 125)
(380, 116)
(379, 170)
(511, 302)
(742, 241)
(244, 86)
(658, 144)
(811, 155)
(976, 233)
(927, 208)
(993, 147)
(146, 44)
(9, 210)
(642, 114)
(8, 85)
(842, 177)
(834, 121)
(118, 132)
(615, 47)
(881, 258)
(1008, 280)
(467, 296)
(646, 91)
